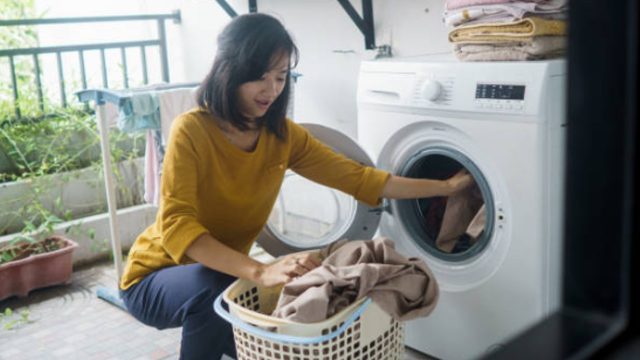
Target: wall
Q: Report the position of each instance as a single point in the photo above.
(331, 46)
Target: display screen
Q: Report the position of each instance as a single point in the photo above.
(500, 92)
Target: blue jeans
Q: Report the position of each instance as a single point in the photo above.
(183, 296)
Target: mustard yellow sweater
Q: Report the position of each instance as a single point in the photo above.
(211, 186)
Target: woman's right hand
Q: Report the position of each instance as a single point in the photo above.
(460, 181)
(288, 268)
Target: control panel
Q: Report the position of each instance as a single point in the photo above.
(500, 96)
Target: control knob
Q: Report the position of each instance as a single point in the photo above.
(431, 90)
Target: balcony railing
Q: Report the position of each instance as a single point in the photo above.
(36, 52)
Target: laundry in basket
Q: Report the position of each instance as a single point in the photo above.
(360, 331)
(403, 287)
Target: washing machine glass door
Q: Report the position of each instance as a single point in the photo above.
(464, 237)
(308, 215)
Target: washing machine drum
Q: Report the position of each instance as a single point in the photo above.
(453, 228)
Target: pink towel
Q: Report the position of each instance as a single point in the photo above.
(403, 287)
(151, 170)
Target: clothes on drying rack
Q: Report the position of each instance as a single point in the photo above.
(139, 112)
(153, 111)
(171, 103)
(403, 287)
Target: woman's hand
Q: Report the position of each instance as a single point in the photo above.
(460, 181)
(287, 268)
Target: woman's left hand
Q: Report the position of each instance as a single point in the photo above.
(460, 181)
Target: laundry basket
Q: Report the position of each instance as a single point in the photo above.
(361, 331)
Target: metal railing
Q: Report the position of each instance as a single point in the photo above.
(35, 52)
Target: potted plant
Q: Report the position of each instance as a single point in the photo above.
(34, 261)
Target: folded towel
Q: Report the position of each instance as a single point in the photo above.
(507, 12)
(539, 47)
(456, 4)
(403, 287)
(505, 32)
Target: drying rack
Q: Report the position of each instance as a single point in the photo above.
(101, 97)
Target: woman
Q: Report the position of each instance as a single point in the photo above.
(222, 172)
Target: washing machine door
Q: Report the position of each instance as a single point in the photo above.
(464, 237)
(308, 215)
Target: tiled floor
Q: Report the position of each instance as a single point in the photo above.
(70, 322)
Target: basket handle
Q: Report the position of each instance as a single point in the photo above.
(237, 322)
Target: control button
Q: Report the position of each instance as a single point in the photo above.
(517, 107)
(431, 90)
(498, 106)
(507, 106)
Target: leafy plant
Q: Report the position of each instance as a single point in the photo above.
(47, 139)
(18, 37)
(10, 319)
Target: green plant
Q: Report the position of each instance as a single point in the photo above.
(66, 140)
(10, 319)
(47, 139)
(18, 37)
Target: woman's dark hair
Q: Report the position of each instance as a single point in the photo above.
(247, 48)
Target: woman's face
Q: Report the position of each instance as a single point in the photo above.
(255, 97)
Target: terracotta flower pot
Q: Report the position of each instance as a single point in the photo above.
(19, 277)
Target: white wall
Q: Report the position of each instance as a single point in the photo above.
(331, 47)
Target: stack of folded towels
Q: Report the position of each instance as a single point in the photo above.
(506, 30)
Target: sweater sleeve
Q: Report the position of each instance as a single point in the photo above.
(179, 190)
(317, 162)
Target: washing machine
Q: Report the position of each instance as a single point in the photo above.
(503, 122)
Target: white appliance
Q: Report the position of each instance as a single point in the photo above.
(429, 117)
(504, 123)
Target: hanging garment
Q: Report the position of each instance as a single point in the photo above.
(403, 287)
(153, 155)
(173, 102)
(139, 112)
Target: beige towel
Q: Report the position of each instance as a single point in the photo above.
(476, 227)
(403, 287)
(538, 47)
(460, 210)
(512, 31)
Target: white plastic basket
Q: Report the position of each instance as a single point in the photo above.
(361, 331)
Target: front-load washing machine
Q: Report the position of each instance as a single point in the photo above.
(502, 122)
